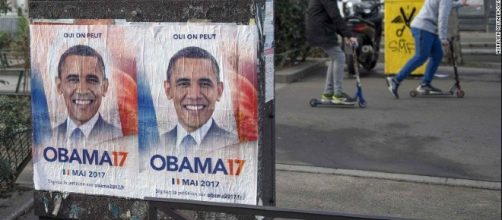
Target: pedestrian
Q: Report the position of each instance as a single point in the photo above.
(323, 24)
(429, 29)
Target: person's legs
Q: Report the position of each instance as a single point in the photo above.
(328, 87)
(338, 70)
(423, 44)
(334, 75)
(423, 47)
(435, 60)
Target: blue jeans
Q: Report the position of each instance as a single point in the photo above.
(427, 45)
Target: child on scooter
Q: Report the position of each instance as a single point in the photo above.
(323, 24)
(429, 29)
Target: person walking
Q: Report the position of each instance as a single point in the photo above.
(429, 29)
(323, 23)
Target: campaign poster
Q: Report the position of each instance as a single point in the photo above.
(84, 105)
(198, 120)
(167, 110)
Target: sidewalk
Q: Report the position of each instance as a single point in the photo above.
(20, 200)
(370, 196)
(316, 189)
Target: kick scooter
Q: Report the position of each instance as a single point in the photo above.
(359, 90)
(454, 90)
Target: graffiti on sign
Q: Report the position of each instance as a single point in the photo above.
(399, 43)
(401, 46)
(403, 18)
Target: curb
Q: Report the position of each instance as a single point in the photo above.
(392, 176)
(469, 52)
(22, 210)
(292, 74)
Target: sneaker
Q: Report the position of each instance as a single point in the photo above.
(428, 88)
(326, 97)
(343, 98)
(393, 85)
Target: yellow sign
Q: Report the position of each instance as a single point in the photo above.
(399, 42)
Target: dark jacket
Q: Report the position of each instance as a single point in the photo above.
(216, 137)
(101, 131)
(323, 22)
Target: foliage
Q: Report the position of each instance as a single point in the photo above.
(290, 31)
(5, 40)
(4, 7)
(15, 115)
(15, 123)
(6, 176)
(21, 41)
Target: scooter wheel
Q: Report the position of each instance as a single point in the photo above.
(362, 104)
(413, 93)
(313, 102)
(460, 93)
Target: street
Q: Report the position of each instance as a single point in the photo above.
(427, 136)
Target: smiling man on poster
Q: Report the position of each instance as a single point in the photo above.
(194, 85)
(83, 84)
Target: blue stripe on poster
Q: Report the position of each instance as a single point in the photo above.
(40, 114)
(148, 134)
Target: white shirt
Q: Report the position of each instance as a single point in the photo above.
(198, 134)
(86, 128)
